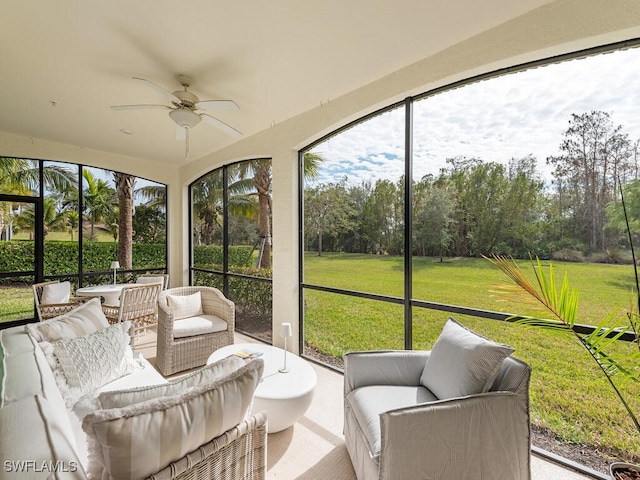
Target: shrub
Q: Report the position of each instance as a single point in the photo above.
(61, 257)
(568, 255)
(611, 255)
(206, 255)
(253, 296)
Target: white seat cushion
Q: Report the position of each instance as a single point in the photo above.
(369, 402)
(198, 325)
(33, 430)
(123, 397)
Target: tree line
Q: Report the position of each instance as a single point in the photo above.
(474, 206)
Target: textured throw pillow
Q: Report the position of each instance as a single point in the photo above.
(84, 319)
(122, 398)
(184, 306)
(138, 440)
(462, 363)
(55, 293)
(83, 364)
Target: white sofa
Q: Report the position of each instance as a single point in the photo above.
(42, 437)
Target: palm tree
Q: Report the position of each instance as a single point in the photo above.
(19, 176)
(208, 203)
(53, 219)
(155, 196)
(99, 200)
(260, 170)
(72, 221)
(262, 181)
(125, 187)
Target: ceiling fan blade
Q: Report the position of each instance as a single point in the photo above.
(136, 107)
(217, 105)
(221, 125)
(181, 132)
(166, 93)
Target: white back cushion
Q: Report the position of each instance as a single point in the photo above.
(34, 429)
(462, 363)
(84, 319)
(140, 439)
(158, 279)
(55, 293)
(184, 306)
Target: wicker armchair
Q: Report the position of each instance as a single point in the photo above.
(178, 354)
(62, 302)
(239, 453)
(138, 304)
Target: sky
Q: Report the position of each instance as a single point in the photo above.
(512, 116)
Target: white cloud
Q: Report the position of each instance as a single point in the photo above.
(498, 119)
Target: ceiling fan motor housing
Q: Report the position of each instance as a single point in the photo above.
(184, 115)
(187, 99)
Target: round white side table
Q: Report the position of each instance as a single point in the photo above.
(110, 293)
(285, 396)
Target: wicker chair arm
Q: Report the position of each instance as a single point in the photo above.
(215, 303)
(83, 299)
(165, 316)
(112, 312)
(51, 310)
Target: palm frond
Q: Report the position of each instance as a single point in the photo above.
(563, 304)
(513, 271)
(548, 324)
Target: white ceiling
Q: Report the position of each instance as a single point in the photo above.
(274, 59)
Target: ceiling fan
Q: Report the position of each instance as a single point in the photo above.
(184, 110)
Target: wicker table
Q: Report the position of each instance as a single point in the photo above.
(285, 396)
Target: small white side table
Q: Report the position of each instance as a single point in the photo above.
(285, 396)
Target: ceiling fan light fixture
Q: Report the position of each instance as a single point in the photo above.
(184, 117)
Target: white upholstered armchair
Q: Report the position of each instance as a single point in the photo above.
(396, 428)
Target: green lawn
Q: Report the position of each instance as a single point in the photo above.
(568, 394)
(16, 303)
(101, 236)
